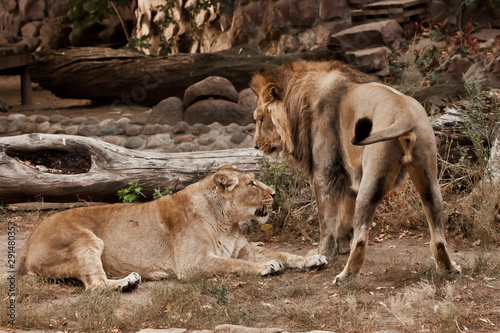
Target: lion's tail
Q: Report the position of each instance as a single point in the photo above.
(401, 130)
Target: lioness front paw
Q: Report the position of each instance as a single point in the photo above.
(133, 280)
(316, 260)
(271, 267)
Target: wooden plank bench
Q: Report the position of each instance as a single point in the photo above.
(399, 10)
(14, 60)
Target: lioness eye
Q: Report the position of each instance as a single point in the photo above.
(253, 183)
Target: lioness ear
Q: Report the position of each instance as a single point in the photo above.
(225, 166)
(226, 182)
(273, 92)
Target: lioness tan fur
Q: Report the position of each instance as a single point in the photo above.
(195, 229)
(356, 140)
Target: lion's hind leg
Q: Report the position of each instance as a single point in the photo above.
(379, 176)
(425, 181)
(87, 265)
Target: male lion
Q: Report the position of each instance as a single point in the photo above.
(322, 115)
(195, 229)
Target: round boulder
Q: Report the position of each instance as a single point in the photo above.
(217, 110)
(215, 87)
(169, 111)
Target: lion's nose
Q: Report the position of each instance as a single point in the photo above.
(273, 194)
(256, 146)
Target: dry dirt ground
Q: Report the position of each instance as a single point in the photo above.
(398, 289)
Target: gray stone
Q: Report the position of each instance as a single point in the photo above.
(106, 130)
(149, 130)
(71, 130)
(308, 12)
(56, 118)
(216, 126)
(331, 9)
(486, 34)
(4, 125)
(233, 128)
(184, 138)
(198, 129)
(107, 122)
(43, 127)
(209, 138)
(31, 29)
(41, 119)
(28, 128)
(135, 142)
(66, 122)
(248, 99)
(55, 129)
(163, 128)
(222, 111)
(221, 143)
(371, 60)
(78, 120)
(228, 328)
(16, 116)
(32, 9)
(160, 140)
(88, 130)
(163, 330)
(15, 125)
(367, 35)
(133, 130)
(250, 128)
(180, 127)
(116, 140)
(238, 138)
(212, 87)
(54, 34)
(91, 121)
(457, 66)
(168, 111)
(121, 126)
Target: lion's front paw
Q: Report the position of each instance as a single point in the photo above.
(316, 260)
(455, 268)
(271, 267)
(133, 280)
(340, 277)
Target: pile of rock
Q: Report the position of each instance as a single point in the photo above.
(135, 135)
(213, 99)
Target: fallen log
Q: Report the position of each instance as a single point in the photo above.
(64, 168)
(132, 78)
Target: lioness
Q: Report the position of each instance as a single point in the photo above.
(195, 229)
(322, 115)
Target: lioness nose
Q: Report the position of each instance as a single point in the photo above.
(256, 146)
(273, 194)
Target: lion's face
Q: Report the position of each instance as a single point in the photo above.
(266, 138)
(248, 197)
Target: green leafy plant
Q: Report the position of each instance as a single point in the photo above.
(131, 193)
(157, 194)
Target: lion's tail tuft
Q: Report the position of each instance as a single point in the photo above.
(362, 130)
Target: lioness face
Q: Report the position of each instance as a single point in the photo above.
(251, 197)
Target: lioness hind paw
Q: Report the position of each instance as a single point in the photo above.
(133, 280)
(316, 260)
(272, 266)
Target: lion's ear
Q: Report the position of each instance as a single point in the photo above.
(273, 92)
(225, 181)
(226, 166)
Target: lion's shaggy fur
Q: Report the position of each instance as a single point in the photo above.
(195, 229)
(322, 115)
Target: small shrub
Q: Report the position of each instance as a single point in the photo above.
(132, 193)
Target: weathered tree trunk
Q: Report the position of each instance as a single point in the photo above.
(65, 168)
(132, 78)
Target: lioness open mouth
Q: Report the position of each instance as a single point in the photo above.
(262, 211)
